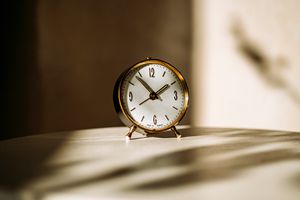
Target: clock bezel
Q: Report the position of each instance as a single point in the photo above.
(124, 114)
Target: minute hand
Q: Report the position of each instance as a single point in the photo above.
(145, 84)
(147, 87)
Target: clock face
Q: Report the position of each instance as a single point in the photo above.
(154, 96)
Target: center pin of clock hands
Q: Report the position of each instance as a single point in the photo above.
(155, 95)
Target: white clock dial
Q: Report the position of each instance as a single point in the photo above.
(153, 96)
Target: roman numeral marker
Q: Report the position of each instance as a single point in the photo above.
(173, 82)
(167, 117)
(142, 119)
(175, 108)
(140, 74)
(164, 74)
(133, 109)
(131, 83)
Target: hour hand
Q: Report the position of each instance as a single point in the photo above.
(161, 90)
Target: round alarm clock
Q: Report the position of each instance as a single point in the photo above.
(151, 97)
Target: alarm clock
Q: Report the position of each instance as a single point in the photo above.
(151, 97)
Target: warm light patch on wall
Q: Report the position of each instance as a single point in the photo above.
(246, 64)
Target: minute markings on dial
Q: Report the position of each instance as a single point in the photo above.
(164, 74)
(132, 109)
(167, 117)
(140, 74)
(173, 82)
(175, 107)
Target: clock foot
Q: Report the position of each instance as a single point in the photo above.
(129, 134)
(178, 135)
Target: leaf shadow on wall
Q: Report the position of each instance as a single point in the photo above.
(270, 69)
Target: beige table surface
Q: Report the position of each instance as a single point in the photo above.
(206, 163)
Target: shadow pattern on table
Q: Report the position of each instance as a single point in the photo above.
(203, 163)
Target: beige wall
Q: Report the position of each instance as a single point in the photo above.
(250, 64)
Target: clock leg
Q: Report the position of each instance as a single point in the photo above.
(131, 130)
(178, 135)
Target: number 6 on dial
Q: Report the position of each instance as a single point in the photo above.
(151, 97)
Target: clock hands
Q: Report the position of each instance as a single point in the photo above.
(144, 84)
(153, 95)
(160, 91)
(144, 101)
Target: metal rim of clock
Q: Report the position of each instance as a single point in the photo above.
(129, 121)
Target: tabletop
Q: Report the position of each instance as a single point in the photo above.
(206, 163)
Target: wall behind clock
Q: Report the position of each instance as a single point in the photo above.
(250, 64)
(66, 55)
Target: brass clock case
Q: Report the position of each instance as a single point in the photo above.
(123, 113)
